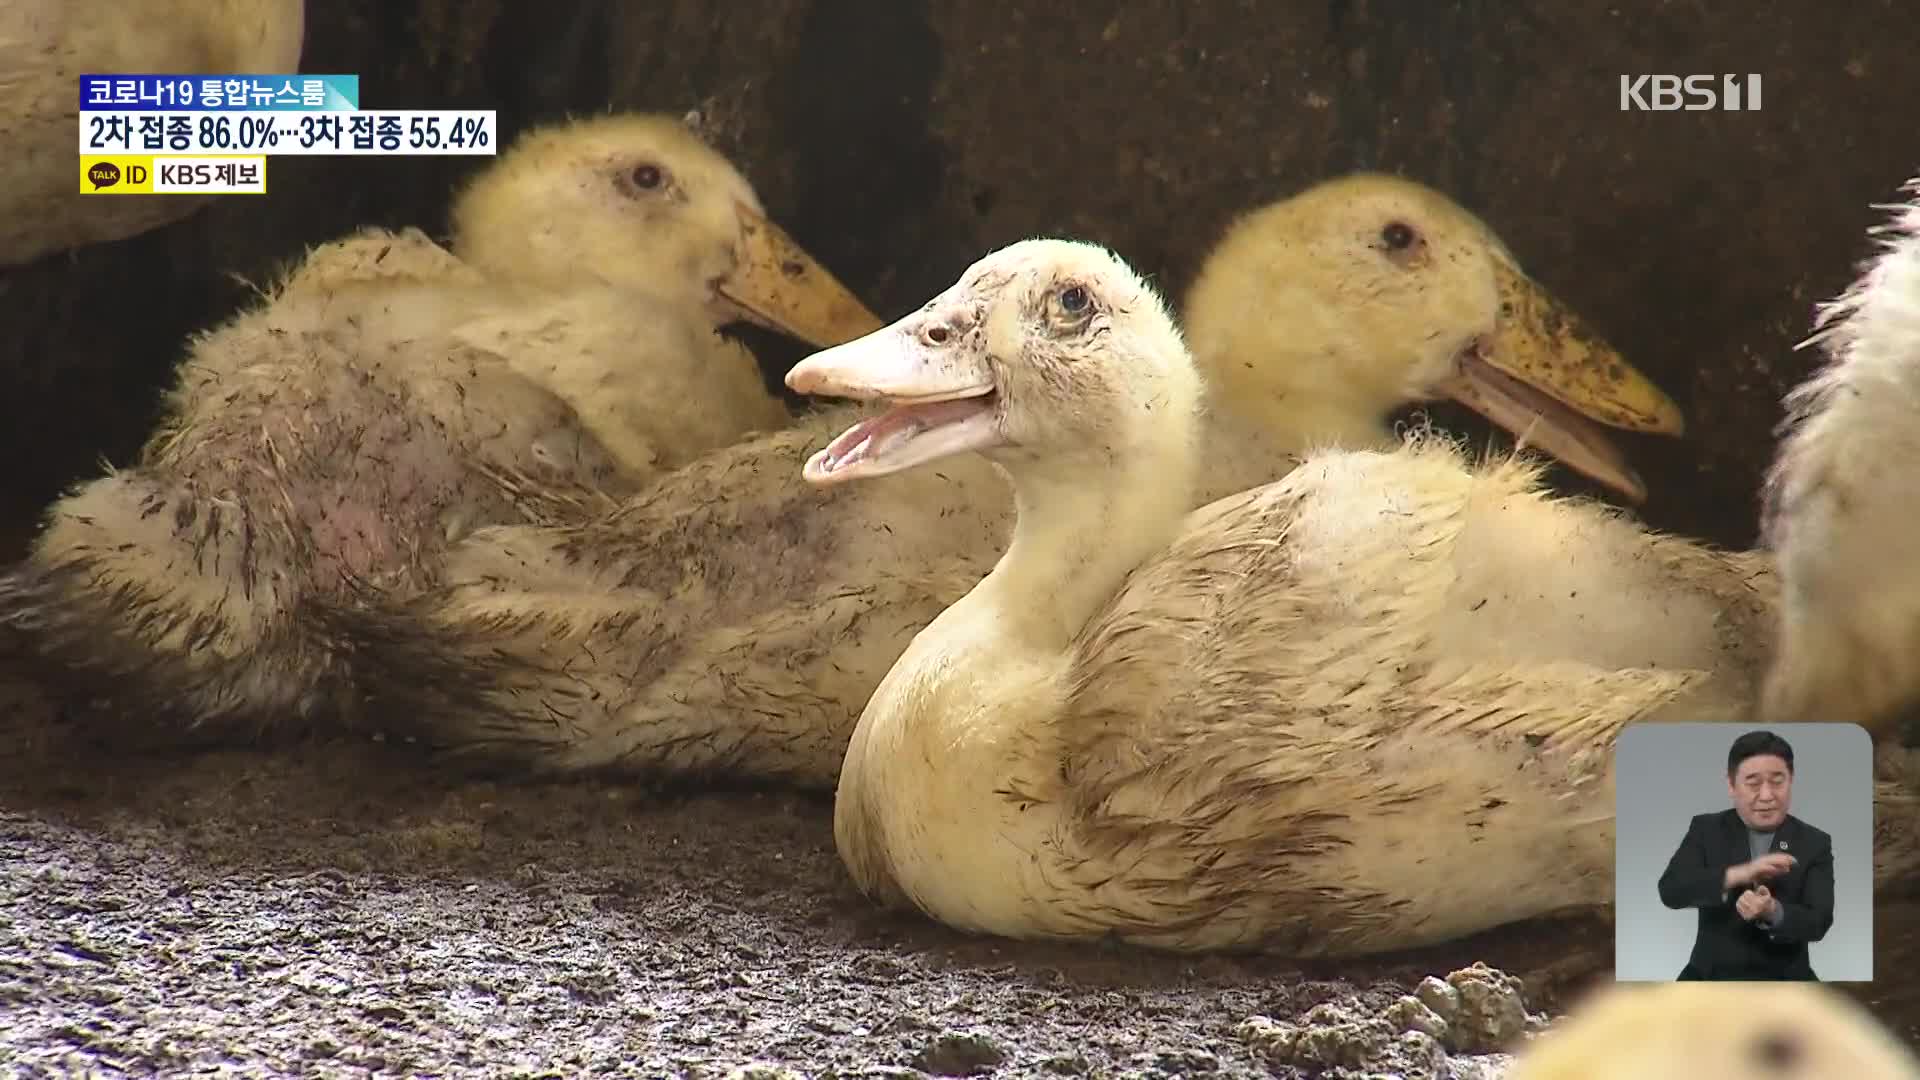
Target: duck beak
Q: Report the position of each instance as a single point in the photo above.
(776, 284)
(942, 399)
(1545, 377)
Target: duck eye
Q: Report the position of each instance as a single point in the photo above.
(646, 177)
(1777, 1050)
(1073, 299)
(1398, 236)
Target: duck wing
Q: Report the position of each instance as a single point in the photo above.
(1267, 738)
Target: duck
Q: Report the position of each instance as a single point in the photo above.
(46, 45)
(1832, 507)
(1714, 1031)
(390, 395)
(729, 622)
(1333, 715)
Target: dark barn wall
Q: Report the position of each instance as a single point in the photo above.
(900, 140)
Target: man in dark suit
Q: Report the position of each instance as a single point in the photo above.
(1760, 878)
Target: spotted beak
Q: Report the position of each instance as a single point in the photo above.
(776, 284)
(1546, 378)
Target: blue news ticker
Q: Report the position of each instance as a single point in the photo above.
(220, 93)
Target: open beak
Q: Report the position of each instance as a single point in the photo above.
(942, 401)
(1545, 377)
(779, 286)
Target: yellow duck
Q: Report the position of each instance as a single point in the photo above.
(1716, 1031)
(732, 621)
(46, 45)
(1367, 707)
(1836, 507)
(383, 399)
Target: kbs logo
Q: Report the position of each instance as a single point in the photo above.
(1693, 93)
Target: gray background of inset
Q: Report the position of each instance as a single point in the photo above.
(1667, 773)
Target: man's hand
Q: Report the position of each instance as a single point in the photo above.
(1757, 904)
(1771, 865)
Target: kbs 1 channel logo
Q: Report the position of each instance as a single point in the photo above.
(1689, 93)
(212, 134)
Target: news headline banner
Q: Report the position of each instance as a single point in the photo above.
(212, 134)
(229, 93)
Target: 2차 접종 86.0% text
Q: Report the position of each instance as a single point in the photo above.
(408, 132)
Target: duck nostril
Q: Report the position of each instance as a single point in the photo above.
(938, 335)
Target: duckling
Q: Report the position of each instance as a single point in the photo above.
(46, 45)
(1715, 1031)
(333, 439)
(1834, 509)
(728, 620)
(1330, 715)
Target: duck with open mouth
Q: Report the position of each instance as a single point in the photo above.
(1352, 710)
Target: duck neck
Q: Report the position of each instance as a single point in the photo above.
(1080, 530)
(1256, 439)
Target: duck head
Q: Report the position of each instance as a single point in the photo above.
(1714, 1030)
(1329, 310)
(1045, 349)
(640, 202)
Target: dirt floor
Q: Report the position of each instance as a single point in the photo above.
(344, 911)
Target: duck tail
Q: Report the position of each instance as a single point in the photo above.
(111, 612)
(447, 688)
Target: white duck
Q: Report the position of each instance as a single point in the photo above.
(46, 45)
(1837, 507)
(331, 441)
(1355, 710)
(730, 620)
